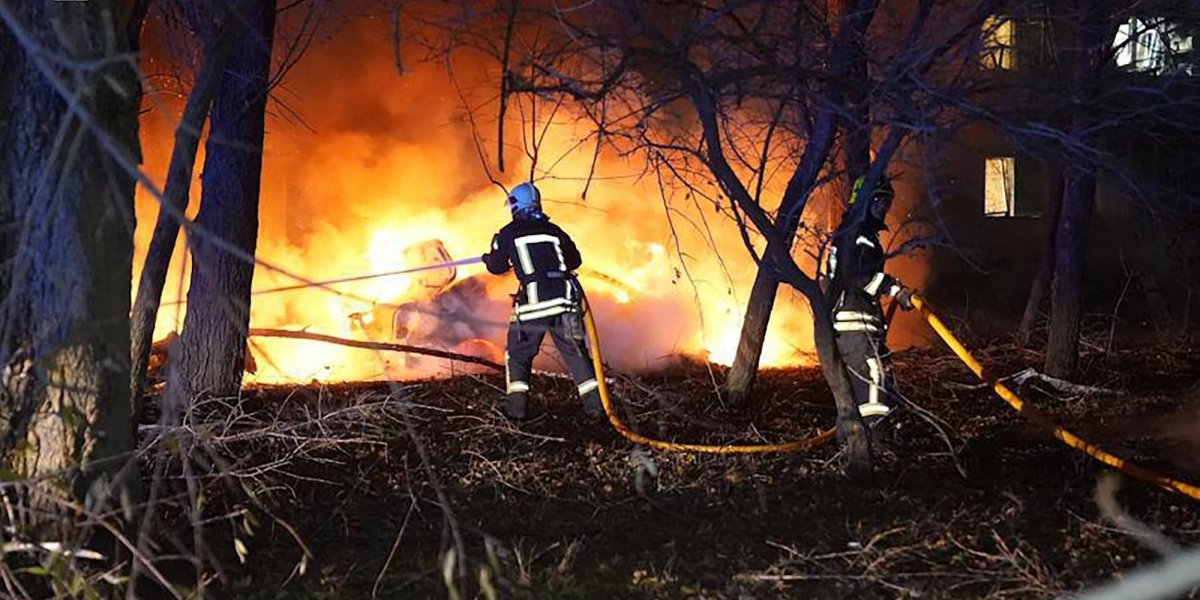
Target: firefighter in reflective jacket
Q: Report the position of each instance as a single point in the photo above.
(543, 257)
(857, 279)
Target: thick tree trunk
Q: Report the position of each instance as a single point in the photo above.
(10, 69)
(213, 342)
(67, 209)
(754, 332)
(1062, 346)
(766, 282)
(856, 123)
(175, 193)
(781, 231)
(1041, 281)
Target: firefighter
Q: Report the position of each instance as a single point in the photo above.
(547, 300)
(858, 281)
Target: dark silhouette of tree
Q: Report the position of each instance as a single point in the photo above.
(213, 342)
(69, 96)
(1079, 193)
(218, 46)
(1045, 273)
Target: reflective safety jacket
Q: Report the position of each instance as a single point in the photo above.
(543, 256)
(855, 268)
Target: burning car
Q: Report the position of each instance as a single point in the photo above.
(441, 311)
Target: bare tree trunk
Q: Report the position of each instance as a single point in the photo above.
(856, 154)
(856, 123)
(1041, 282)
(175, 193)
(66, 206)
(1062, 347)
(11, 64)
(856, 143)
(213, 342)
(754, 332)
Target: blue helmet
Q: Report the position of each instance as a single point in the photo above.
(525, 200)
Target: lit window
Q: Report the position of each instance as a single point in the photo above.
(999, 44)
(1152, 45)
(999, 187)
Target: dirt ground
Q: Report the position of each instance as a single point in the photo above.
(379, 481)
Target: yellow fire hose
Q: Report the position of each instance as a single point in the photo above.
(1133, 470)
(637, 438)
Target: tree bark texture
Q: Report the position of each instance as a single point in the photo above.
(856, 123)
(759, 306)
(213, 342)
(1062, 345)
(1041, 281)
(1066, 293)
(176, 194)
(66, 242)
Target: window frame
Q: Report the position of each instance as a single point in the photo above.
(1007, 174)
(1155, 45)
(999, 43)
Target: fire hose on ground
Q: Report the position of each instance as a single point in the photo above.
(1003, 391)
(1039, 418)
(1132, 469)
(589, 325)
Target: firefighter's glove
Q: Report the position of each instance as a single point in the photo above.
(904, 297)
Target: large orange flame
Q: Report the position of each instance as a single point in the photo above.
(383, 162)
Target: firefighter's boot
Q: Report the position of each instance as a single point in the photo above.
(515, 405)
(592, 407)
(882, 430)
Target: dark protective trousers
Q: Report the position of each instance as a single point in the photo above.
(524, 342)
(867, 359)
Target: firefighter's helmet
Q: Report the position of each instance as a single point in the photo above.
(881, 198)
(883, 190)
(525, 200)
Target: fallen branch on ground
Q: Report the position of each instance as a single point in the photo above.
(1062, 385)
(394, 347)
(389, 346)
(1030, 374)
